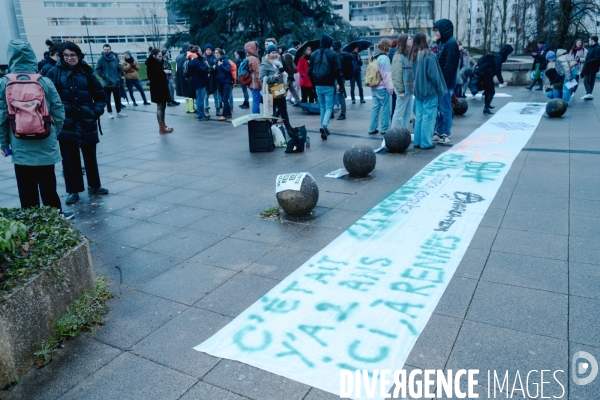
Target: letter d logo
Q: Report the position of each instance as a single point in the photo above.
(583, 367)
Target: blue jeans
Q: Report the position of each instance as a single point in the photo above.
(256, 98)
(225, 94)
(138, 85)
(245, 91)
(404, 108)
(215, 97)
(426, 111)
(200, 93)
(340, 98)
(566, 93)
(555, 94)
(444, 118)
(381, 100)
(325, 96)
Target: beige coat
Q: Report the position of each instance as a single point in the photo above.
(131, 70)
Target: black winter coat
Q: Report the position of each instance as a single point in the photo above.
(84, 100)
(159, 87)
(46, 65)
(592, 60)
(489, 66)
(448, 54)
(335, 66)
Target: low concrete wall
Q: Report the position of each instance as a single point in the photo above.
(27, 312)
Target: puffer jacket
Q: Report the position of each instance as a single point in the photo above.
(565, 64)
(223, 71)
(251, 50)
(402, 74)
(131, 70)
(200, 72)
(448, 54)
(269, 70)
(46, 65)
(109, 69)
(21, 58)
(84, 99)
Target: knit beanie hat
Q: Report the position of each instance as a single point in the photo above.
(394, 42)
(271, 48)
(337, 45)
(296, 43)
(208, 46)
(550, 55)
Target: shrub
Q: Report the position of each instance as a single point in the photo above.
(31, 240)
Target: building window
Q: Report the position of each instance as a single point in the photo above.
(86, 4)
(478, 31)
(478, 41)
(511, 40)
(338, 6)
(106, 21)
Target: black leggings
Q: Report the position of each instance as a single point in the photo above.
(160, 111)
(308, 95)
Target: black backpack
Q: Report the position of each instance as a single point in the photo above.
(321, 69)
(347, 66)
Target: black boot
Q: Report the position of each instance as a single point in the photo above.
(245, 105)
(487, 111)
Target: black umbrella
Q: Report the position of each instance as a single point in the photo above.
(313, 44)
(361, 44)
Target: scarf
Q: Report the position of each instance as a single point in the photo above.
(110, 57)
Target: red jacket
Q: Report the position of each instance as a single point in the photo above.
(303, 71)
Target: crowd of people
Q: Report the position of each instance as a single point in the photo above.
(562, 69)
(412, 80)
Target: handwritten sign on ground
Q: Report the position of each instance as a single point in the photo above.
(362, 301)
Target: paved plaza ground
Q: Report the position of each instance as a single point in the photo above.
(182, 223)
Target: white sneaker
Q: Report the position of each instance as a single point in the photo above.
(412, 137)
(444, 139)
(111, 116)
(121, 115)
(436, 137)
(586, 97)
(590, 96)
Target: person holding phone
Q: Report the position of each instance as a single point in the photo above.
(84, 100)
(222, 69)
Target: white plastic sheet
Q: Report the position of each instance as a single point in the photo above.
(362, 301)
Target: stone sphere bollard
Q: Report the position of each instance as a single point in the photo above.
(359, 160)
(299, 202)
(397, 139)
(462, 107)
(556, 108)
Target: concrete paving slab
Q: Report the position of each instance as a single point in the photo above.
(280, 262)
(457, 297)
(584, 280)
(584, 250)
(522, 309)
(584, 321)
(435, 343)
(184, 243)
(557, 224)
(202, 390)
(531, 243)
(172, 344)
(591, 390)
(223, 255)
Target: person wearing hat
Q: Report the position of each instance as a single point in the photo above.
(132, 77)
(271, 72)
(554, 90)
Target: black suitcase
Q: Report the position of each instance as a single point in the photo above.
(260, 137)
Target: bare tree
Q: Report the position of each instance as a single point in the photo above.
(154, 26)
(571, 17)
(504, 12)
(488, 25)
(518, 18)
(402, 12)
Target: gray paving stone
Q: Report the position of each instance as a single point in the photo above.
(313, 238)
(338, 219)
(172, 345)
(486, 347)
(542, 189)
(484, 238)
(273, 232)
(187, 282)
(584, 250)
(180, 216)
(493, 217)
(120, 173)
(591, 390)
(539, 204)
(472, 263)
(237, 294)
(318, 394)
(141, 266)
(584, 226)
(253, 382)
(143, 209)
(584, 321)
(522, 309)
(203, 390)
(280, 262)
(183, 243)
(525, 271)
(457, 297)
(217, 201)
(331, 199)
(149, 176)
(207, 184)
(539, 222)
(223, 255)
(183, 196)
(146, 191)
(112, 202)
(223, 223)
(433, 347)
(70, 365)
(583, 207)
(584, 280)
(132, 377)
(140, 234)
(531, 243)
(585, 187)
(133, 316)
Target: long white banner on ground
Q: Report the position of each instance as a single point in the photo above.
(362, 301)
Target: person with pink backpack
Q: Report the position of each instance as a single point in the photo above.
(31, 114)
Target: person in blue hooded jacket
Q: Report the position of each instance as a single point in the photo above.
(222, 68)
(448, 57)
(34, 159)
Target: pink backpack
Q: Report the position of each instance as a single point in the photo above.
(28, 115)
